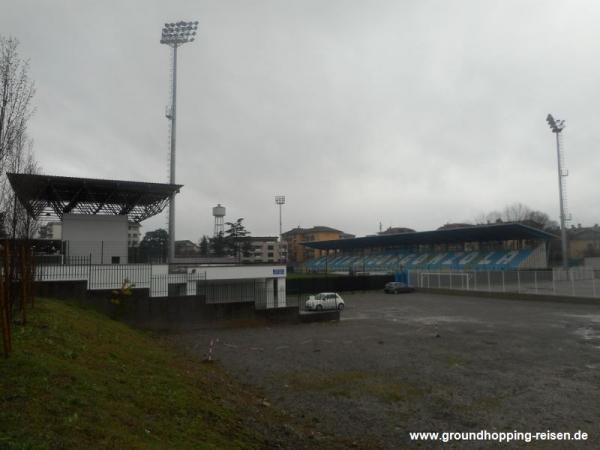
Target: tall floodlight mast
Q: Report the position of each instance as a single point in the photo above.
(174, 35)
(280, 201)
(557, 126)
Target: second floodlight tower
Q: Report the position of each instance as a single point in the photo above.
(557, 127)
(174, 35)
(280, 201)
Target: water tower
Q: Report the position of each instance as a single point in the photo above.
(219, 215)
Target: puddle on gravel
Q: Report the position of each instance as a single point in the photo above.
(587, 333)
(595, 318)
(356, 316)
(401, 317)
(433, 320)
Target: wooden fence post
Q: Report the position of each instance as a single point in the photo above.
(4, 309)
(7, 282)
(22, 285)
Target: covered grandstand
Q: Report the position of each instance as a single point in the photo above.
(45, 196)
(499, 246)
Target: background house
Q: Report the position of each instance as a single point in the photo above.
(298, 253)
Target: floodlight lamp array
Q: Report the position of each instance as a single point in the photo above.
(280, 199)
(555, 125)
(178, 33)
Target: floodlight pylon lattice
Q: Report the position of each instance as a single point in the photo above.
(557, 126)
(175, 35)
(280, 201)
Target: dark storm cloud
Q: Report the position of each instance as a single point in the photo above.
(408, 113)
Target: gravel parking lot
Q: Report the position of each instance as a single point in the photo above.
(425, 362)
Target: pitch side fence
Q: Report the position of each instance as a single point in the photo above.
(577, 282)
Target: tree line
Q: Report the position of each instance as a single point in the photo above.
(518, 212)
(233, 242)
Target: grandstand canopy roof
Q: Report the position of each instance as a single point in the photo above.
(479, 233)
(51, 195)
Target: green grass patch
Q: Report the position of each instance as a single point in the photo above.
(77, 379)
(453, 360)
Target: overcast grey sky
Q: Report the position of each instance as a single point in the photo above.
(412, 113)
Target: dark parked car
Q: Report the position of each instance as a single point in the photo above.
(396, 287)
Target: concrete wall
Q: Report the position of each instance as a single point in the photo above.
(60, 289)
(102, 237)
(237, 272)
(170, 313)
(300, 286)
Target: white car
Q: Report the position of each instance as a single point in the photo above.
(325, 300)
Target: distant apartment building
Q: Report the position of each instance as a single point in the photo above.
(263, 249)
(133, 234)
(50, 231)
(584, 242)
(298, 253)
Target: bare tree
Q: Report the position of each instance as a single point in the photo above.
(22, 226)
(518, 212)
(16, 94)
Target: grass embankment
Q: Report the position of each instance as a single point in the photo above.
(77, 379)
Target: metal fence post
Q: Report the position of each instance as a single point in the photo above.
(503, 284)
(450, 279)
(593, 287)
(489, 282)
(535, 281)
(572, 286)
(553, 283)
(518, 281)
(89, 277)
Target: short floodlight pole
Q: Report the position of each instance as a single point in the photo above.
(175, 35)
(557, 126)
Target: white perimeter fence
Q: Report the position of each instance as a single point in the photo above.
(264, 293)
(111, 276)
(576, 282)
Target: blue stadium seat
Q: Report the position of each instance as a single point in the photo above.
(391, 261)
